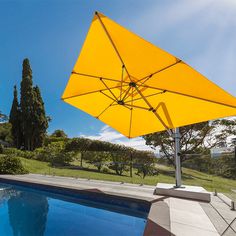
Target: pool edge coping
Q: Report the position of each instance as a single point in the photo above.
(153, 226)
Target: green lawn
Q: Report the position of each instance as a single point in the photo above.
(190, 177)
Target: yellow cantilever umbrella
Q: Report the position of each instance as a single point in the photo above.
(138, 88)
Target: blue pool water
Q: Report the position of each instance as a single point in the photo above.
(30, 212)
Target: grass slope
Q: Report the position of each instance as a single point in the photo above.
(190, 177)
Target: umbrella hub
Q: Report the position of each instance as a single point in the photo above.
(132, 84)
(121, 102)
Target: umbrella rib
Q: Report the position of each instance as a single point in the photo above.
(191, 96)
(113, 44)
(109, 89)
(131, 114)
(108, 96)
(122, 75)
(126, 93)
(134, 106)
(165, 68)
(112, 104)
(127, 107)
(97, 77)
(96, 91)
(151, 95)
(105, 110)
(153, 110)
(122, 106)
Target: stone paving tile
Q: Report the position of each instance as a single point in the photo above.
(233, 225)
(215, 218)
(223, 209)
(229, 232)
(220, 214)
(189, 213)
(179, 229)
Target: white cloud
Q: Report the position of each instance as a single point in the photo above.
(108, 134)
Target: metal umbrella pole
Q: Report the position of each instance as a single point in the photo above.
(177, 158)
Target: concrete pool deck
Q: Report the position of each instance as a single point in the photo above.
(168, 215)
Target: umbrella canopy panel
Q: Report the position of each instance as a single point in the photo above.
(138, 88)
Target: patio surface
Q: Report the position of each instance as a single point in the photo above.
(168, 216)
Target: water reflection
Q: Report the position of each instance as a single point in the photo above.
(27, 207)
(4, 193)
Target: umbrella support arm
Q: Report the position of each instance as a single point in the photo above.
(176, 136)
(151, 109)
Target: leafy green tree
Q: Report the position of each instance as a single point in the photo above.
(225, 166)
(191, 141)
(96, 158)
(59, 134)
(194, 139)
(51, 139)
(5, 132)
(78, 145)
(145, 162)
(40, 121)
(57, 155)
(27, 105)
(120, 161)
(15, 120)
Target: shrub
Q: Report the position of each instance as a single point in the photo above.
(11, 151)
(41, 154)
(120, 162)
(10, 164)
(225, 166)
(96, 158)
(105, 169)
(199, 163)
(26, 154)
(61, 158)
(54, 153)
(145, 164)
(1, 149)
(144, 169)
(51, 139)
(19, 153)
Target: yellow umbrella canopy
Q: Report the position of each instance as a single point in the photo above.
(138, 88)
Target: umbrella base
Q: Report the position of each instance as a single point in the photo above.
(185, 191)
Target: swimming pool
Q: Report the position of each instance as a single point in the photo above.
(27, 211)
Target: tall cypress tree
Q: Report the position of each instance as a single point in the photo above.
(33, 117)
(27, 104)
(40, 120)
(15, 120)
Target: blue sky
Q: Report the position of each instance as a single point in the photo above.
(51, 33)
